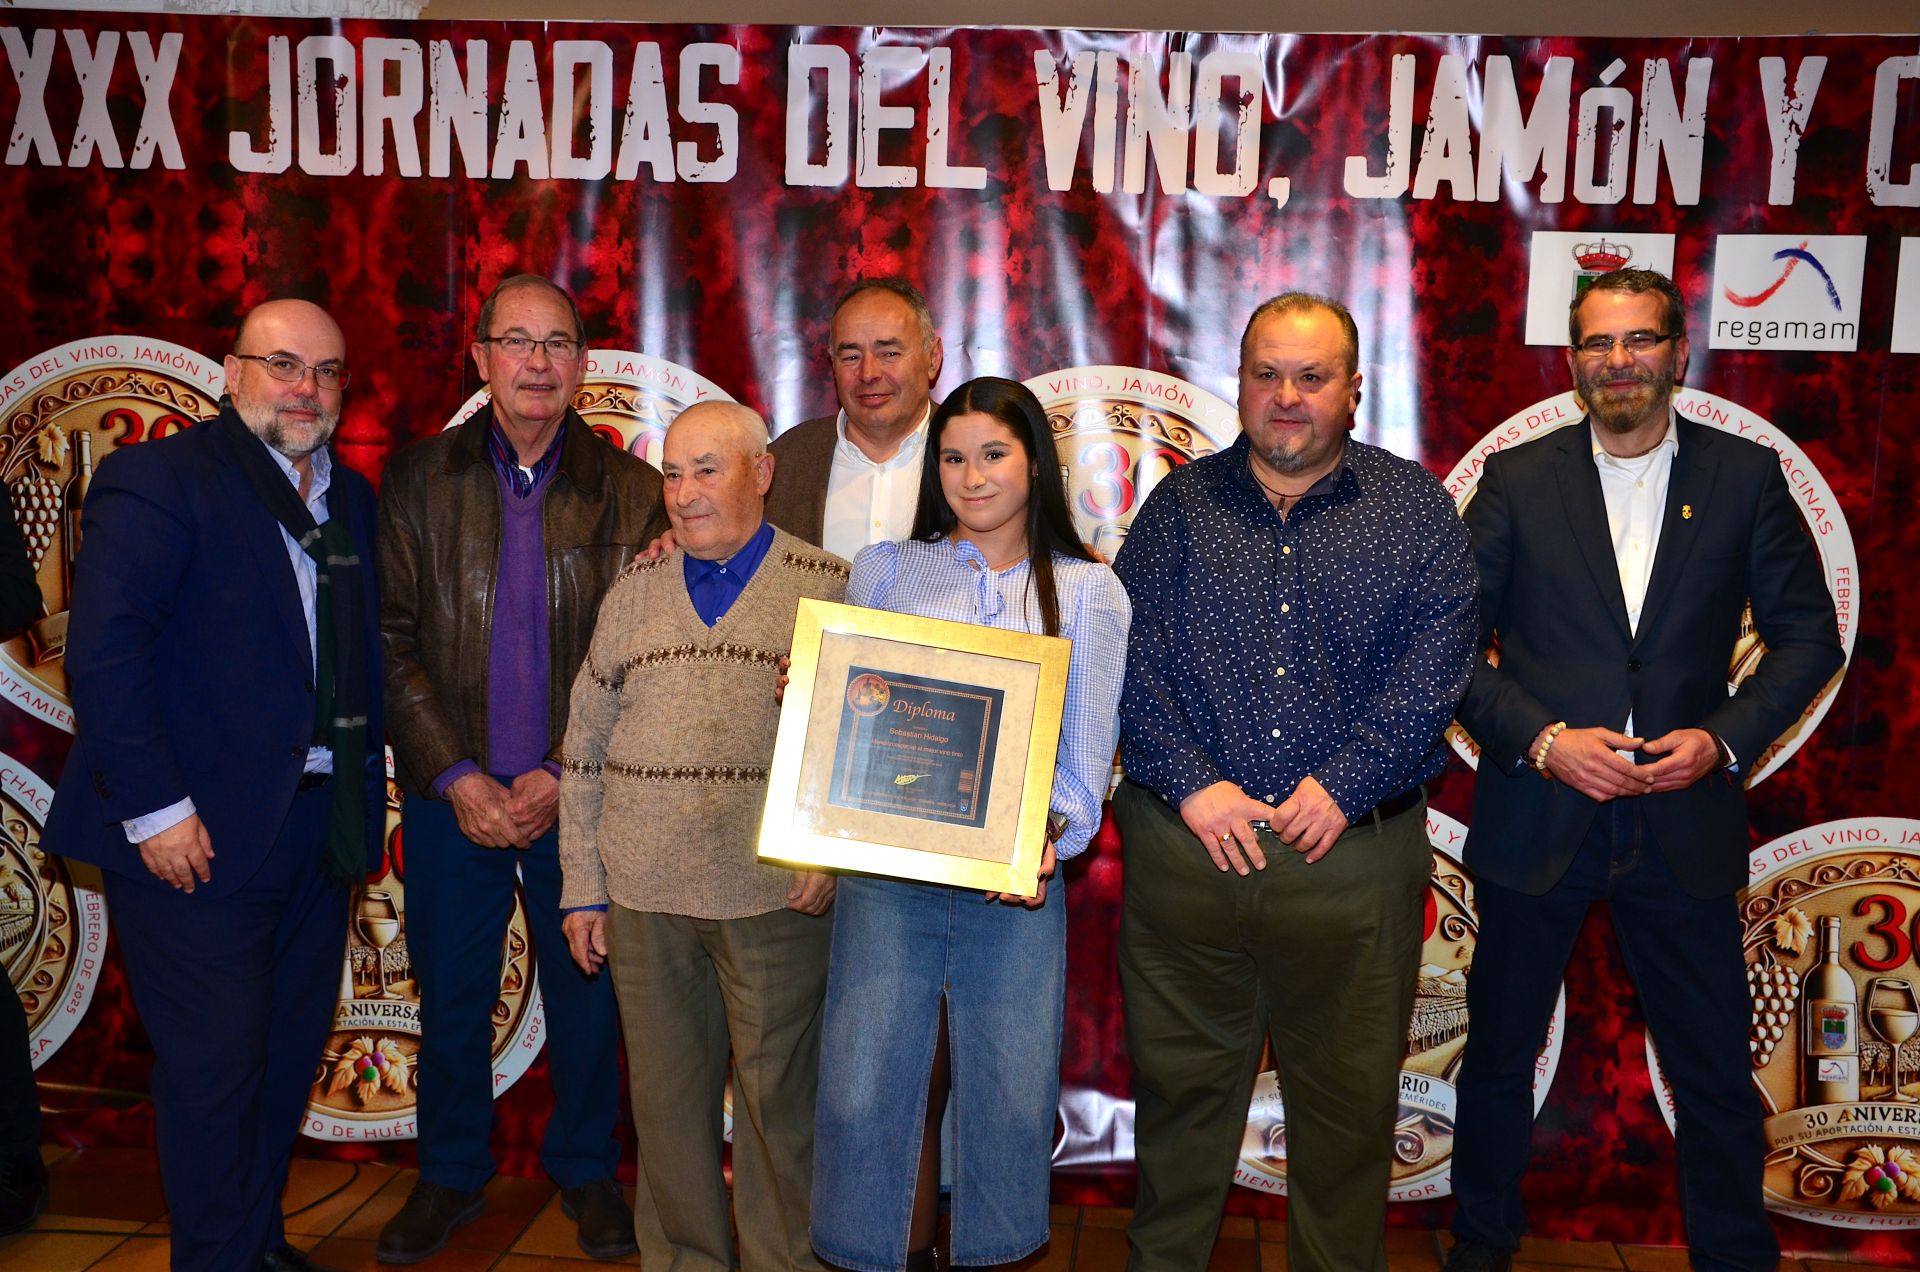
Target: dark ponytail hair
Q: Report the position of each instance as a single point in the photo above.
(1049, 522)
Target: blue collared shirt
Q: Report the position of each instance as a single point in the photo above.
(713, 586)
(1334, 643)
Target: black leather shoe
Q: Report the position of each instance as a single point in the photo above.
(605, 1219)
(421, 1227)
(23, 1191)
(1476, 1256)
(288, 1259)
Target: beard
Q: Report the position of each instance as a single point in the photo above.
(292, 439)
(1623, 414)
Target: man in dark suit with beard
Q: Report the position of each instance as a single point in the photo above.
(1616, 558)
(226, 775)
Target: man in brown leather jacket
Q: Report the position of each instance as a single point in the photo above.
(497, 540)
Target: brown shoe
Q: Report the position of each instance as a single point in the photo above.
(605, 1219)
(421, 1227)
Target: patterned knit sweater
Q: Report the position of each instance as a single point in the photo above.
(670, 737)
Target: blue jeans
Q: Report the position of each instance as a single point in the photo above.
(899, 951)
(459, 899)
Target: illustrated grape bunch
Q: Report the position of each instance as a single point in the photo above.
(1775, 991)
(37, 500)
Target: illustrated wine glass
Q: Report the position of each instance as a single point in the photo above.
(379, 922)
(1893, 1013)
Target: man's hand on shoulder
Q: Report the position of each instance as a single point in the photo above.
(1588, 760)
(1220, 817)
(180, 854)
(811, 893)
(660, 547)
(484, 810)
(1308, 821)
(534, 802)
(1686, 756)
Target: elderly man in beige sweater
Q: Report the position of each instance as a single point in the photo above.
(668, 744)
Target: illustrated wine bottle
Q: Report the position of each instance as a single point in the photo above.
(82, 439)
(1830, 1026)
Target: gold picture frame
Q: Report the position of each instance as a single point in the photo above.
(916, 748)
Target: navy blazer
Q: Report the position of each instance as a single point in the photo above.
(1550, 593)
(188, 655)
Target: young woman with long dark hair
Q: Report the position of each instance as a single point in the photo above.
(931, 990)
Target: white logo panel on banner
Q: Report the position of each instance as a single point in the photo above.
(1830, 925)
(1563, 264)
(1812, 494)
(1422, 1166)
(53, 916)
(1906, 300)
(1787, 291)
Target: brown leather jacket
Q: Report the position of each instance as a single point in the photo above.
(439, 551)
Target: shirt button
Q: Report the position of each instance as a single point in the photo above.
(1285, 551)
(1285, 608)
(1276, 733)
(1279, 671)
(1639, 485)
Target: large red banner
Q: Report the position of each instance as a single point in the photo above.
(1095, 212)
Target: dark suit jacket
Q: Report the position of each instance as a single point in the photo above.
(802, 463)
(1550, 592)
(188, 655)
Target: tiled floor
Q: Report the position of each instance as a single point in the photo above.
(105, 1211)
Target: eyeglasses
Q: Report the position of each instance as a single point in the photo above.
(1633, 342)
(284, 366)
(559, 348)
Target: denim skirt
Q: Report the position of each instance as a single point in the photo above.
(898, 949)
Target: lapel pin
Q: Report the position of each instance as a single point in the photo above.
(1686, 512)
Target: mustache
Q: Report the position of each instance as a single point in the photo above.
(300, 404)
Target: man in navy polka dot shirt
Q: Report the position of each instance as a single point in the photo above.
(1304, 619)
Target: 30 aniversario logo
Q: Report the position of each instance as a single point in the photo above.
(1830, 925)
(61, 413)
(366, 1085)
(53, 918)
(1812, 494)
(1422, 1166)
(1120, 430)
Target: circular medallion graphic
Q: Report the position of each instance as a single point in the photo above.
(867, 694)
(1422, 1167)
(366, 1085)
(629, 399)
(1830, 926)
(61, 413)
(1119, 431)
(53, 917)
(1826, 524)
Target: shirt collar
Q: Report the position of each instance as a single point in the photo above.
(506, 459)
(910, 447)
(741, 564)
(320, 464)
(1329, 483)
(1669, 443)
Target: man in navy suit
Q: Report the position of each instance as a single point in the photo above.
(226, 775)
(1616, 558)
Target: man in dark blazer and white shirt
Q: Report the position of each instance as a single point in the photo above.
(844, 481)
(1616, 557)
(227, 775)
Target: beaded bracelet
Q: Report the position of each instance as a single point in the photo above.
(1546, 744)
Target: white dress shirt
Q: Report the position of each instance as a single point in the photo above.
(869, 502)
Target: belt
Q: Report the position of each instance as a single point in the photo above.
(311, 781)
(1404, 802)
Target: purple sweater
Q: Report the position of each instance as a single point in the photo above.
(517, 661)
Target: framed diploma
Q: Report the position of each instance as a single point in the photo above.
(915, 747)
